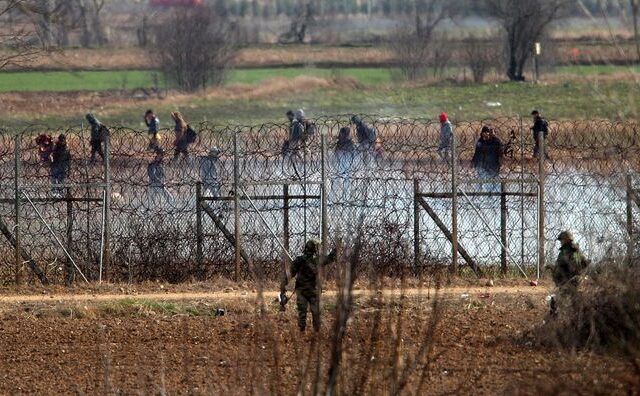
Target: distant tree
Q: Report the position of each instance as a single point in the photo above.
(480, 57)
(429, 14)
(415, 49)
(91, 22)
(524, 23)
(195, 47)
(635, 10)
(301, 21)
(19, 44)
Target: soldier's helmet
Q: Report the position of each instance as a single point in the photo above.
(565, 236)
(312, 246)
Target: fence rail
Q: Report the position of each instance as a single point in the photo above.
(149, 227)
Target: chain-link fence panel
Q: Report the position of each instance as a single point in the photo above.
(393, 175)
(585, 185)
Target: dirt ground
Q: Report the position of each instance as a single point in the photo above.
(171, 340)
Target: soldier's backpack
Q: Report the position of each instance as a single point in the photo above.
(191, 135)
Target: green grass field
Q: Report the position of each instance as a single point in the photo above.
(60, 81)
(129, 79)
(575, 100)
(381, 95)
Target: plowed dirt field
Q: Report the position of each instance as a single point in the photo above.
(114, 341)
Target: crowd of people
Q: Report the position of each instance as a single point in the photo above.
(357, 141)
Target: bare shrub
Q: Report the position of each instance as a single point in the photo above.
(419, 47)
(440, 55)
(411, 53)
(480, 56)
(195, 47)
(605, 315)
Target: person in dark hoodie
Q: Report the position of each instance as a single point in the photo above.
(487, 157)
(540, 125)
(60, 164)
(98, 134)
(366, 136)
(296, 129)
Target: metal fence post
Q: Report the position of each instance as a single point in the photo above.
(107, 204)
(236, 205)
(454, 204)
(416, 226)
(522, 166)
(503, 227)
(285, 226)
(323, 192)
(18, 172)
(631, 239)
(70, 270)
(541, 184)
(199, 235)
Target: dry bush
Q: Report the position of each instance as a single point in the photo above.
(412, 53)
(480, 56)
(603, 316)
(195, 47)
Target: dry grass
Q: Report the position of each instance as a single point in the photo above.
(27, 104)
(603, 316)
(567, 52)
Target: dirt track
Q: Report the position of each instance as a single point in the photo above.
(251, 295)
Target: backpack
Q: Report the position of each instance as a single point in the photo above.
(372, 134)
(191, 135)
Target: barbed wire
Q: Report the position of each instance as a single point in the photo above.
(154, 216)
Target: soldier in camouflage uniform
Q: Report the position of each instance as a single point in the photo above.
(566, 272)
(305, 269)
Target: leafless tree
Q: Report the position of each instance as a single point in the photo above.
(91, 21)
(480, 57)
(523, 22)
(415, 49)
(18, 42)
(195, 46)
(429, 14)
(301, 21)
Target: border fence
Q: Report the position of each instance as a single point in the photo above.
(248, 206)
